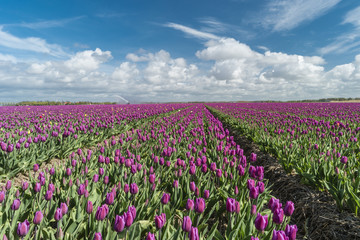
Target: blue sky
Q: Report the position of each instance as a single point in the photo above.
(179, 50)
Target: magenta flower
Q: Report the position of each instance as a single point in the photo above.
(58, 214)
(261, 222)
(36, 167)
(230, 205)
(16, 204)
(38, 217)
(200, 205)
(190, 204)
(23, 228)
(289, 208)
(109, 198)
(165, 198)
(102, 212)
(81, 189)
(278, 216)
(186, 226)
(206, 194)
(290, 231)
(134, 188)
(129, 219)
(160, 220)
(150, 236)
(2, 196)
(89, 207)
(279, 235)
(119, 224)
(48, 195)
(132, 210)
(64, 208)
(194, 234)
(97, 236)
(192, 186)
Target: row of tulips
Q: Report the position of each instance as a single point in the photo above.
(39, 133)
(176, 176)
(318, 140)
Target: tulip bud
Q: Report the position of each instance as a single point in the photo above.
(38, 217)
(134, 188)
(23, 228)
(206, 194)
(58, 214)
(192, 186)
(16, 204)
(36, 167)
(186, 226)
(2, 196)
(194, 234)
(8, 185)
(190, 204)
(253, 210)
(64, 208)
(289, 208)
(102, 212)
(230, 205)
(89, 207)
(109, 198)
(165, 198)
(290, 231)
(261, 222)
(150, 236)
(129, 219)
(160, 220)
(199, 205)
(278, 216)
(97, 236)
(119, 223)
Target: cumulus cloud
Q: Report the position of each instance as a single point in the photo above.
(226, 70)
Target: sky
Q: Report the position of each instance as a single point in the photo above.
(177, 51)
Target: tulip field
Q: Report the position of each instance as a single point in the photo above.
(162, 171)
(319, 141)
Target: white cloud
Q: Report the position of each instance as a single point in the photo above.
(29, 44)
(230, 70)
(283, 15)
(46, 23)
(88, 60)
(7, 57)
(192, 32)
(349, 40)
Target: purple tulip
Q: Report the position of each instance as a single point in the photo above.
(261, 222)
(8, 185)
(2, 196)
(58, 214)
(150, 236)
(252, 157)
(253, 210)
(81, 189)
(48, 195)
(152, 178)
(89, 207)
(109, 198)
(176, 184)
(95, 178)
(254, 238)
(68, 171)
(206, 194)
(165, 198)
(119, 224)
(134, 188)
(344, 159)
(97, 236)
(290, 231)
(199, 205)
(254, 192)
(230, 205)
(279, 235)
(218, 173)
(160, 220)
(102, 212)
(190, 204)
(237, 207)
(38, 217)
(278, 216)
(126, 188)
(186, 226)
(129, 219)
(37, 187)
(192, 186)
(194, 234)
(36, 167)
(16, 204)
(64, 208)
(23, 228)
(289, 208)
(132, 210)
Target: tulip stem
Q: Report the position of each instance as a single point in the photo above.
(160, 234)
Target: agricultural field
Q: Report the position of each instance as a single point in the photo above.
(167, 171)
(319, 141)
